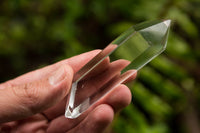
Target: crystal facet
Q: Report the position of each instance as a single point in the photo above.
(138, 45)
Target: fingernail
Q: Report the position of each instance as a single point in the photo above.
(57, 77)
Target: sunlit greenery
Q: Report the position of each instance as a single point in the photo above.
(166, 94)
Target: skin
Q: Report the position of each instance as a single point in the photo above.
(35, 102)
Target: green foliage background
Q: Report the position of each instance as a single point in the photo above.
(166, 95)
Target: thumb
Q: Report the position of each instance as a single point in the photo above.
(18, 101)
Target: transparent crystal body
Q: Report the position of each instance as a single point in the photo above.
(138, 45)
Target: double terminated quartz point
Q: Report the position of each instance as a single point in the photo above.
(138, 45)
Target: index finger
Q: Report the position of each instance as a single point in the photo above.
(75, 62)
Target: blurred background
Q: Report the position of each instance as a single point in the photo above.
(166, 94)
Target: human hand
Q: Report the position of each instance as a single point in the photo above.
(35, 102)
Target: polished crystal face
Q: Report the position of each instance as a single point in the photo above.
(137, 46)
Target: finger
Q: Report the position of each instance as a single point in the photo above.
(33, 124)
(95, 122)
(102, 66)
(119, 98)
(75, 62)
(86, 100)
(131, 78)
(89, 87)
(19, 101)
(100, 56)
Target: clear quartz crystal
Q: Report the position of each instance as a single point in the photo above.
(138, 45)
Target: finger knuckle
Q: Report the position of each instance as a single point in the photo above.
(27, 95)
